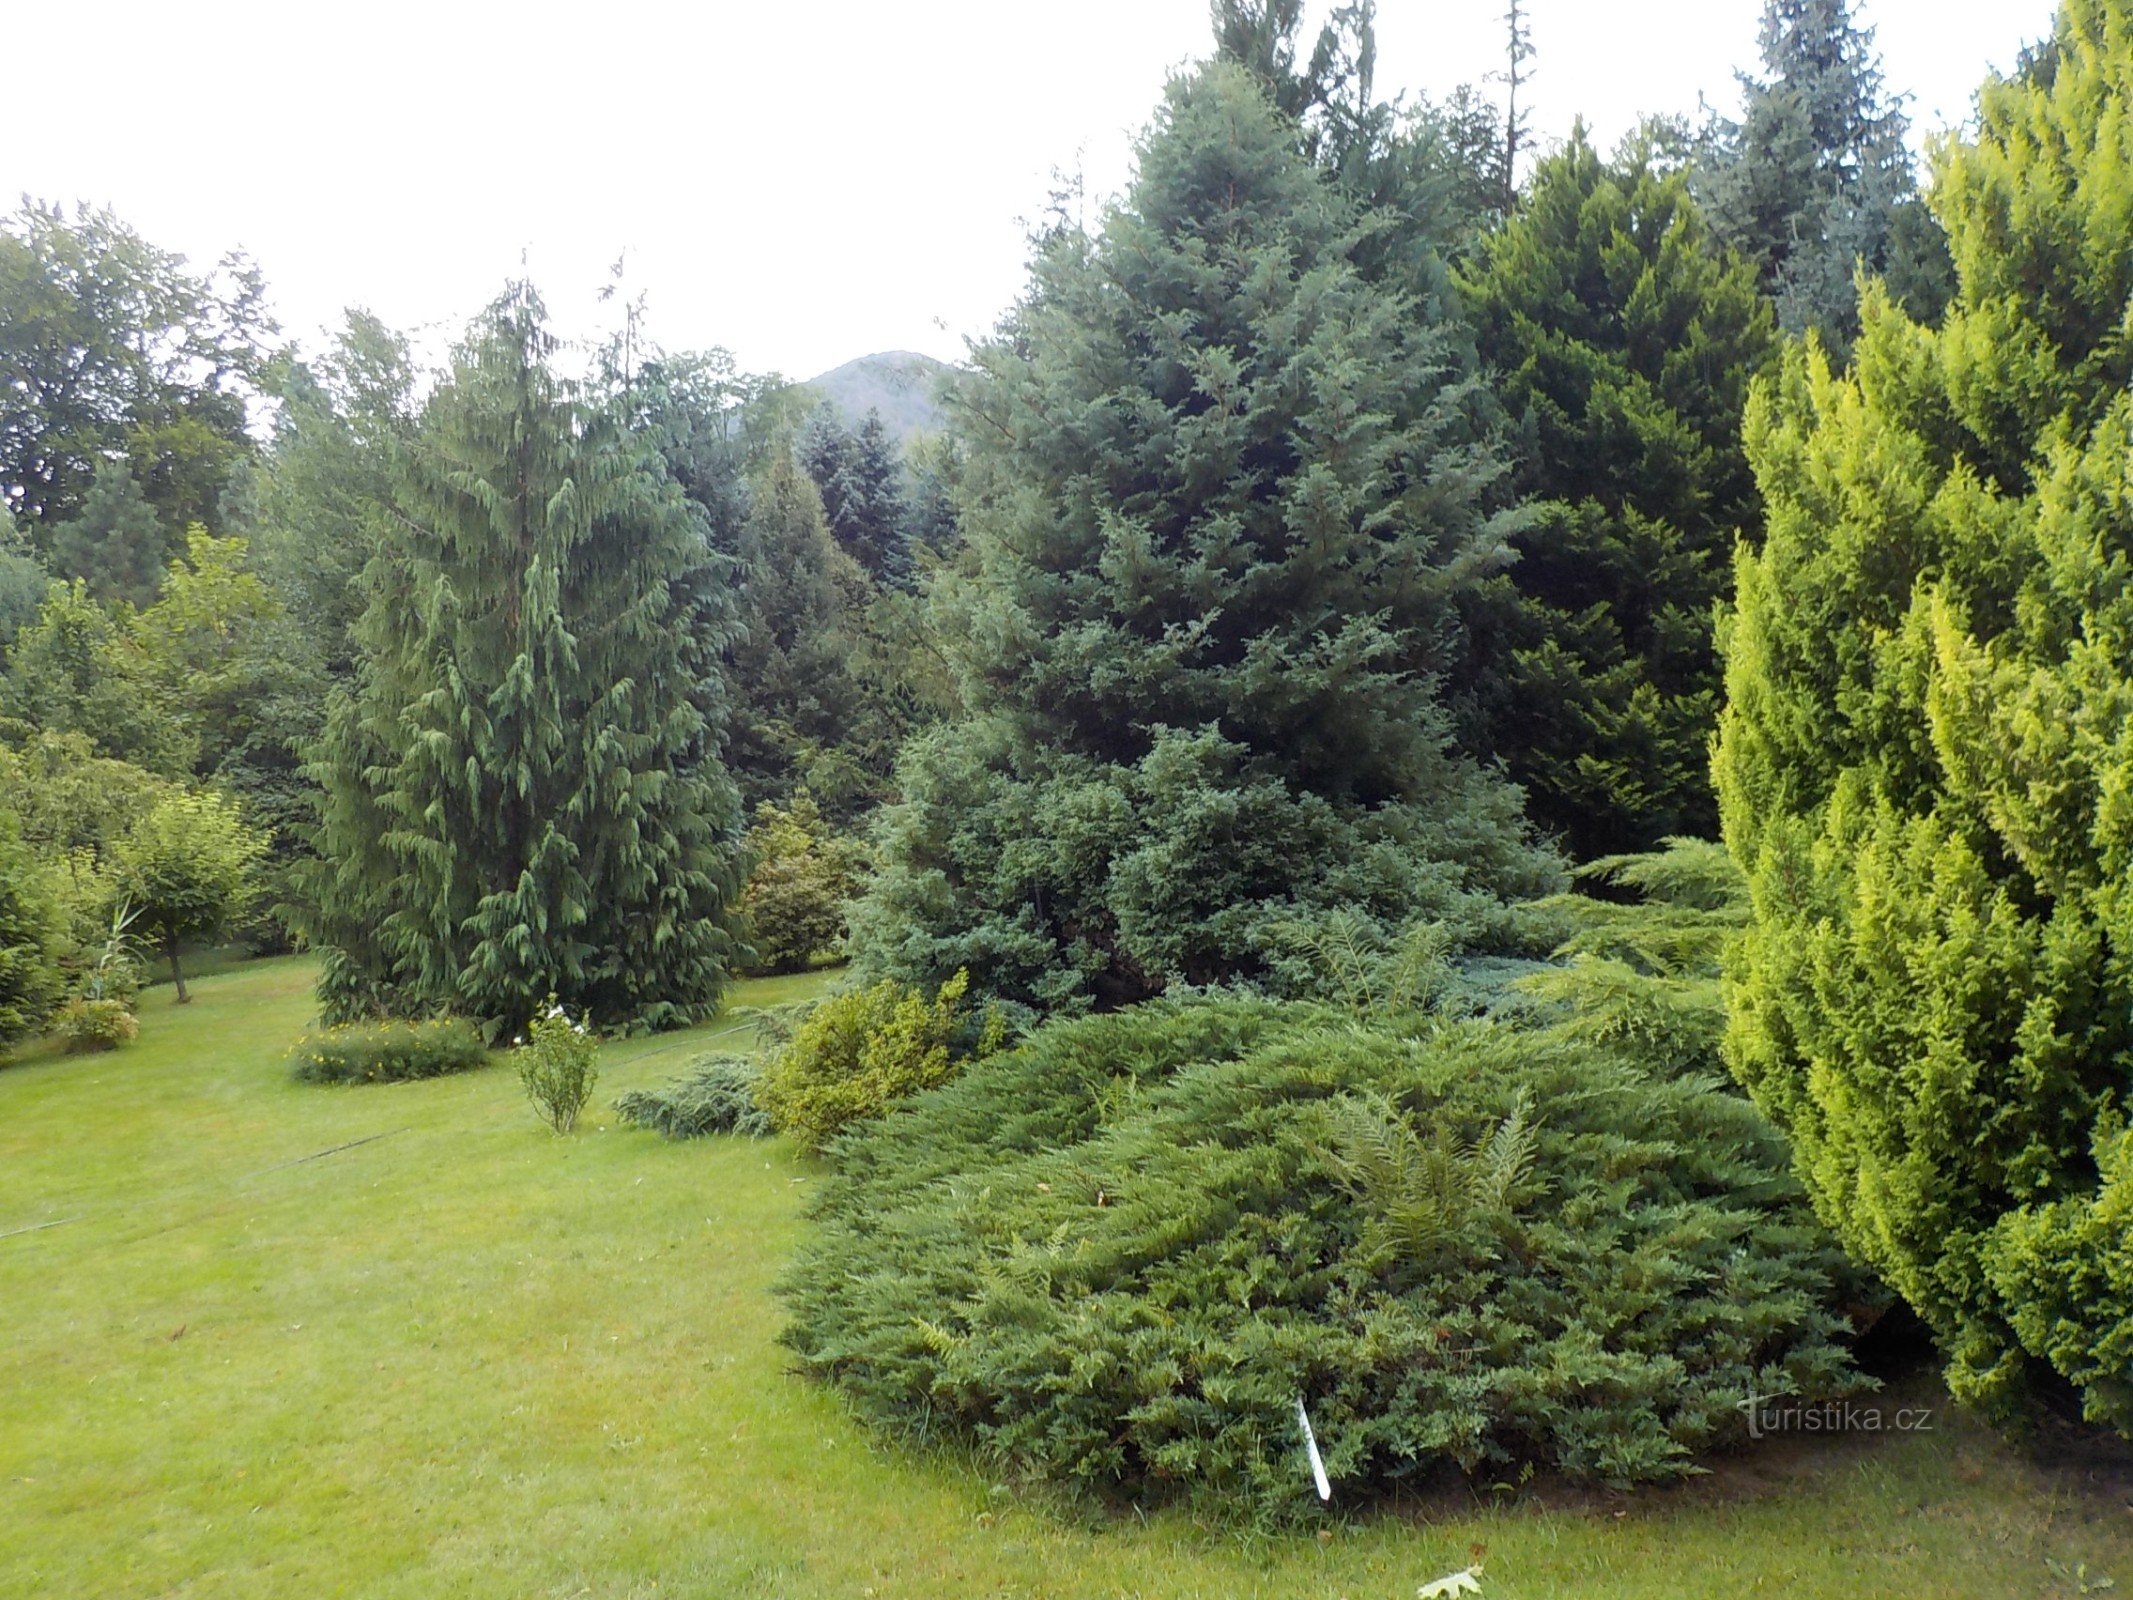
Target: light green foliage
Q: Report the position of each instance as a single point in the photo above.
(225, 662)
(523, 791)
(1422, 1195)
(1923, 765)
(858, 1053)
(1116, 1256)
(1623, 343)
(801, 881)
(387, 1052)
(187, 867)
(31, 925)
(1221, 496)
(1640, 973)
(79, 670)
(85, 1026)
(558, 1066)
(716, 1095)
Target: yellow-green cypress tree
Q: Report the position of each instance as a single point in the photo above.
(1926, 760)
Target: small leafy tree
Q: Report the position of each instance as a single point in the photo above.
(188, 866)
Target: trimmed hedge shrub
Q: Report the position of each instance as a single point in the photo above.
(858, 1053)
(716, 1096)
(389, 1052)
(1117, 1256)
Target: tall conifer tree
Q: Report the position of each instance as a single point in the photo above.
(522, 793)
(1815, 180)
(1623, 345)
(1222, 497)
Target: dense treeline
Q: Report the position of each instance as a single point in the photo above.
(1363, 523)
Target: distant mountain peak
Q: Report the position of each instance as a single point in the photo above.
(900, 384)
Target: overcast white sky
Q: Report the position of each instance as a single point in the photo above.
(801, 182)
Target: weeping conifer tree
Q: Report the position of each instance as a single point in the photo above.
(523, 794)
(1222, 495)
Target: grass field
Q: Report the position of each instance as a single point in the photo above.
(469, 1358)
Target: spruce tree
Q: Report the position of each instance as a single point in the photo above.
(1222, 496)
(114, 544)
(1815, 179)
(859, 475)
(523, 795)
(1924, 762)
(789, 664)
(1623, 345)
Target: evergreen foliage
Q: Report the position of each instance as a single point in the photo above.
(859, 474)
(1923, 762)
(31, 927)
(522, 792)
(716, 1095)
(801, 878)
(114, 544)
(796, 699)
(1623, 345)
(1222, 497)
(858, 1053)
(1815, 181)
(312, 509)
(1118, 1256)
(1641, 975)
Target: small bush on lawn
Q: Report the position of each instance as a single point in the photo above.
(717, 1095)
(557, 1066)
(389, 1052)
(83, 1025)
(1118, 1255)
(858, 1053)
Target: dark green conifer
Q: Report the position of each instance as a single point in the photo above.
(1623, 345)
(522, 793)
(1222, 497)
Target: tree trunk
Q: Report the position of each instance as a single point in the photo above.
(177, 976)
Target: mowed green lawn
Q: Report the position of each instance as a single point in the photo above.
(470, 1358)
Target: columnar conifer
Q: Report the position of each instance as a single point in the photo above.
(522, 793)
